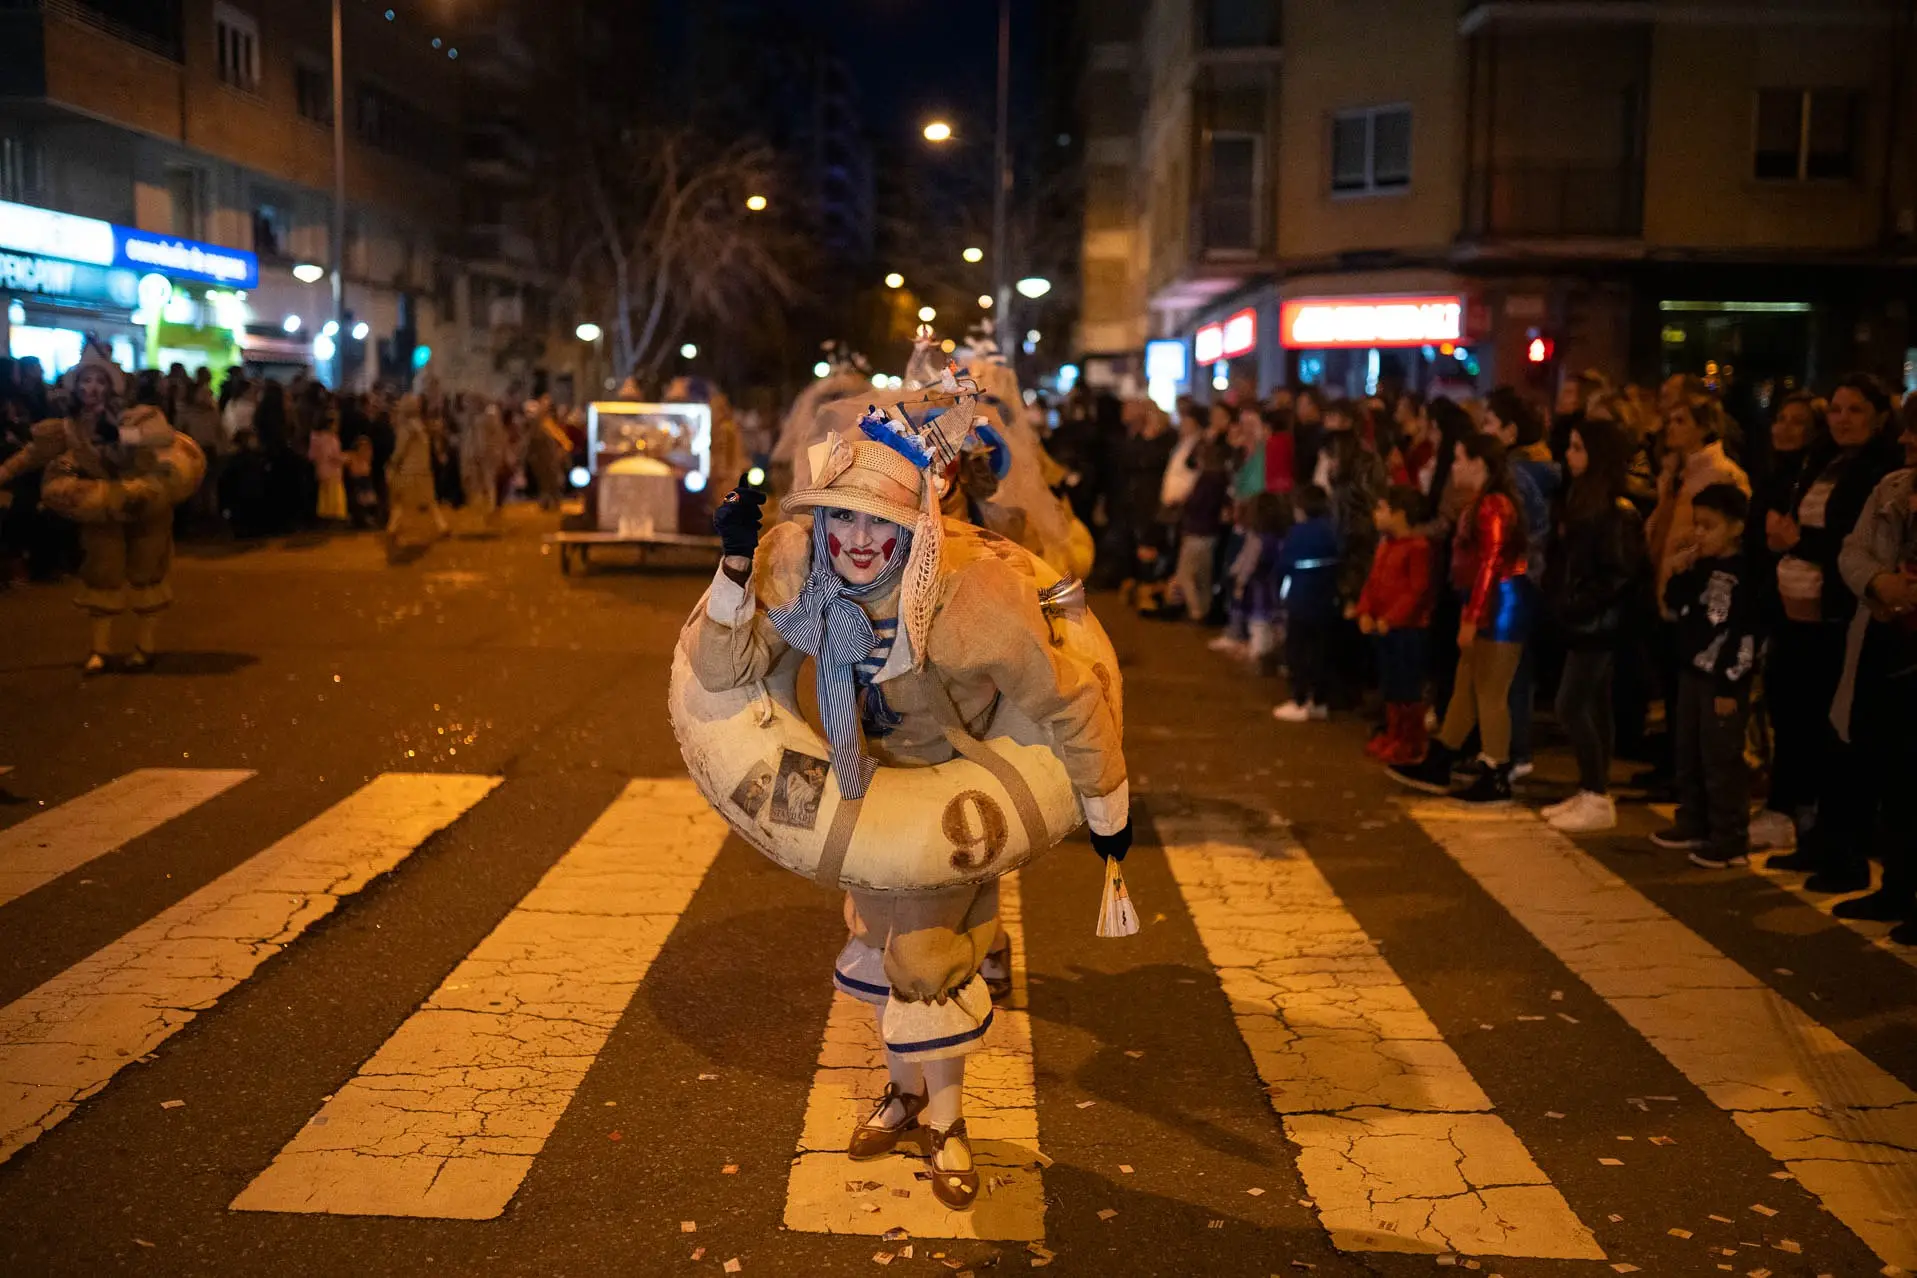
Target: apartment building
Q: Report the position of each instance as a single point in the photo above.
(210, 123)
(1366, 192)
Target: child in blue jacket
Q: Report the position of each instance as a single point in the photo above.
(1308, 562)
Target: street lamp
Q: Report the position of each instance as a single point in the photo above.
(974, 255)
(756, 203)
(1034, 287)
(822, 369)
(895, 280)
(690, 350)
(587, 332)
(927, 314)
(361, 331)
(309, 272)
(985, 301)
(938, 131)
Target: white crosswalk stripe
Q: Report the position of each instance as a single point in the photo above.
(446, 1118)
(65, 1040)
(1844, 1127)
(49, 844)
(1397, 1143)
(829, 1193)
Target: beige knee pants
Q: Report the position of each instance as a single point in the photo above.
(933, 941)
(127, 565)
(1481, 698)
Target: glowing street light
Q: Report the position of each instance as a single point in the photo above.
(822, 369)
(927, 314)
(588, 332)
(330, 328)
(291, 324)
(690, 350)
(756, 203)
(361, 331)
(895, 280)
(1033, 335)
(938, 131)
(309, 273)
(1034, 287)
(985, 301)
(974, 255)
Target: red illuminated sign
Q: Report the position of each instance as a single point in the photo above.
(1323, 323)
(1236, 335)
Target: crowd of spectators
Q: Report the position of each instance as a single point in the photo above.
(287, 456)
(1729, 599)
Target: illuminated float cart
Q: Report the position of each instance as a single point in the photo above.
(648, 482)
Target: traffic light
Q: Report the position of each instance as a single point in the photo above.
(1540, 350)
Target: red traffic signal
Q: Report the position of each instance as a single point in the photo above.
(1540, 350)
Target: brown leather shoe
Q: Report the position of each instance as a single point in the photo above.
(869, 1140)
(956, 1189)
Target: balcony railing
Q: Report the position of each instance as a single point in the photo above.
(160, 37)
(1548, 200)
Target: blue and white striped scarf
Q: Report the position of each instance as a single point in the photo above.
(825, 621)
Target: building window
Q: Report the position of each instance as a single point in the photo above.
(1371, 150)
(238, 37)
(1806, 135)
(186, 196)
(1234, 178)
(385, 120)
(313, 87)
(21, 169)
(269, 230)
(1240, 24)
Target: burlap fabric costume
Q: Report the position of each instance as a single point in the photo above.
(124, 511)
(974, 638)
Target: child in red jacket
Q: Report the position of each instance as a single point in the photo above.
(1395, 608)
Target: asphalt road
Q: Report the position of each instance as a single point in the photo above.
(1423, 1041)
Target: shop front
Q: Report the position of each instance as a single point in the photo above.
(1366, 344)
(154, 300)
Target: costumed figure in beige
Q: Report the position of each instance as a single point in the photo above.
(930, 640)
(848, 376)
(416, 521)
(117, 473)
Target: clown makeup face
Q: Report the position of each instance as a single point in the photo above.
(861, 545)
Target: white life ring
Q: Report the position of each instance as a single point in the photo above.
(763, 767)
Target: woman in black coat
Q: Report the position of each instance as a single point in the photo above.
(1593, 589)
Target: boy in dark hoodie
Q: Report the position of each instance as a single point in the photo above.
(1717, 608)
(1308, 564)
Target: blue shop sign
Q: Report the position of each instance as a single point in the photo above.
(182, 259)
(68, 281)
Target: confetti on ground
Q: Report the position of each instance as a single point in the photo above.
(1782, 1175)
(707, 1078)
(1670, 1099)
(1627, 1138)
(881, 1257)
(611, 1104)
(1758, 1273)
(730, 1169)
(614, 1136)
(143, 1242)
(1722, 1220)
(1624, 1267)
(869, 1207)
(1086, 1104)
(1214, 1224)
(1678, 1233)
(1106, 1213)
(688, 1226)
(1040, 1254)
(1788, 1245)
(1569, 1019)
(1484, 1025)
(1256, 1193)
(1557, 996)
(172, 1104)
(905, 1252)
(733, 1266)
(1762, 1210)
(895, 1234)
(1610, 1162)
(1126, 1168)
(1137, 1056)
(1530, 1018)
(1662, 1140)
(1552, 1113)
(698, 1253)
(901, 1193)
(1614, 1218)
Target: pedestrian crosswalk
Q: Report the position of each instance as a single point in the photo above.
(1395, 1144)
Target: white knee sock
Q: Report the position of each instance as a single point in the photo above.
(945, 1084)
(907, 1076)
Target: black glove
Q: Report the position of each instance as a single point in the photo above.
(738, 518)
(1113, 847)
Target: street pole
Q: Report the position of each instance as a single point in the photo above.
(339, 201)
(1002, 176)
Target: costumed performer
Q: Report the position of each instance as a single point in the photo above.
(117, 472)
(913, 622)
